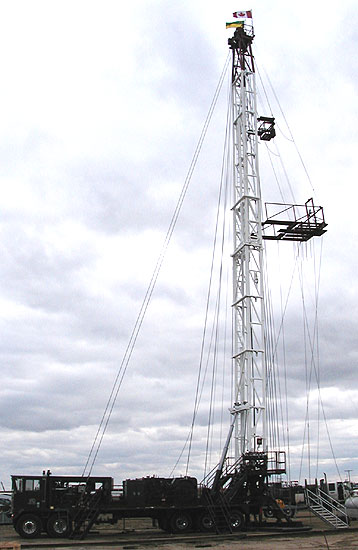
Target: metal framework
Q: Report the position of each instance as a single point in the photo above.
(249, 360)
(295, 222)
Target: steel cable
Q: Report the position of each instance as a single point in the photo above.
(139, 320)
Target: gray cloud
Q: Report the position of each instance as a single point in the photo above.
(95, 142)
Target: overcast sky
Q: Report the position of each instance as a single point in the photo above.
(101, 107)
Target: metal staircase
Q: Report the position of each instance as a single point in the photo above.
(219, 513)
(86, 516)
(230, 467)
(327, 509)
(218, 503)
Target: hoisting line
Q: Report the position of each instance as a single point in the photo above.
(201, 378)
(138, 323)
(291, 138)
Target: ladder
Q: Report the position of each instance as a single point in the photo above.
(219, 513)
(327, 508)
(86, 515)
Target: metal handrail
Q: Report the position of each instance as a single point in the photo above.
(328, 500)
(294, 208)
(206, 481)
(331, 500)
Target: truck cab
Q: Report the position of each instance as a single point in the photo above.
(50, 503)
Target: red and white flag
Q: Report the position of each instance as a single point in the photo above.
(242, 14)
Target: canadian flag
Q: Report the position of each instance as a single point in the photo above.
(242, 14)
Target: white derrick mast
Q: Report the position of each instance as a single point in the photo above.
(248, 300)
(288, 222)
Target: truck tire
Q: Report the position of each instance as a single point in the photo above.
(237, 521)
(268, 512)
(58, 526)
(180, 522)
(29, 526)
(289, 511)
(205, 523)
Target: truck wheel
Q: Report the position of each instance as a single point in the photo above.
(205, 523)
(180, 522)
(29, 526)
(236, 520)
(289, 512)
(58, 526)
(268, 512)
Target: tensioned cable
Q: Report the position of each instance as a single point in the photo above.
(274, 380)
(213, 382)
(138, 323)
(289, 129)
(286, 424)
(284, 309)
(277, 154)
(315, 345)
(200, 378)
(270, 153)
(291, 138)
(275, 406)
(216, 337)
(224, 357)
(263, 87)
(310, 341)
(317, 281)
(268, 336)
(314, 369)
(271, 378)
(306, 333)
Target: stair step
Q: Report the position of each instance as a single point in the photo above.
(328, 517)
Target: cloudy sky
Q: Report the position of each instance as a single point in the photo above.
(101, 108)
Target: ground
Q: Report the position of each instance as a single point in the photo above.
(320, 537)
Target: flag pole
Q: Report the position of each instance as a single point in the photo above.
(252, 19)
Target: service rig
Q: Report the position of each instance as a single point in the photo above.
(68, 506)
(233, 496)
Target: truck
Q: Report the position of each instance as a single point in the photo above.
(230, 498)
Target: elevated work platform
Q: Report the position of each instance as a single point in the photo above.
(266, 128)
(293, 222)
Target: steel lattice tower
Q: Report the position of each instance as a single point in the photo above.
(248, 300)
